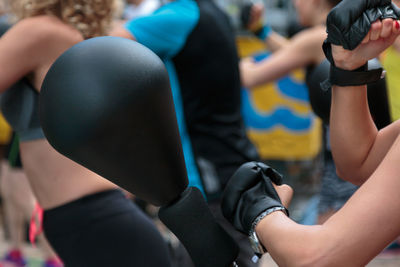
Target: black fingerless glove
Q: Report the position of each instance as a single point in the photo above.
(250, 192)
(349, 22)
(347, 25)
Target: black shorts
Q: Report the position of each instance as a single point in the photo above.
(104, 229)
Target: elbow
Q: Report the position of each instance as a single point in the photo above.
(249, 78)
(314, 254)
(351, 176)
(247, 82)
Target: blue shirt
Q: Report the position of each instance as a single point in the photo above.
(165, 32)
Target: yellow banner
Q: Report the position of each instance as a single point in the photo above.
(278, 115)
(5, 131)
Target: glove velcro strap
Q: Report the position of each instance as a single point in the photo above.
(343, 77)
(356, 77)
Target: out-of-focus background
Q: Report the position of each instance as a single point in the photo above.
(279, 120)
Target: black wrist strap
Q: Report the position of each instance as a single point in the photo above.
(341, 77)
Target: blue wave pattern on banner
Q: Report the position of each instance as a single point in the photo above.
(282, 116)
(292, 89)
(287, 85)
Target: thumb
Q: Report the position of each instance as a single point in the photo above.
(285, 193)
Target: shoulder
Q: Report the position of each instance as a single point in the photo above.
(40, 30)
(309, 43)
(313, 35)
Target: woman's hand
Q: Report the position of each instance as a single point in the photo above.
(381, 35)
(285, 193)
(247, 71)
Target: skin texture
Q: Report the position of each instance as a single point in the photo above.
(54, 178)
(120, 31)
(358, 153)
(374, 157)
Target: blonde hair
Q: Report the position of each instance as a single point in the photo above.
(90, 17)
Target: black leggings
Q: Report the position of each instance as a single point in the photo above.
(104, 229)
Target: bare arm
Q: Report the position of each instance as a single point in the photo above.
(18, 54)
(370, 219)
(357, 146)
(31, 46)
(118, 30)
(365, 221)
(300, 52)
(275, 41)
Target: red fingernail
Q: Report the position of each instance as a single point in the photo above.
(397, 25)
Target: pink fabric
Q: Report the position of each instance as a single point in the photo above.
(36, 223)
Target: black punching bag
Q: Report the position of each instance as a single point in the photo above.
(106, 104)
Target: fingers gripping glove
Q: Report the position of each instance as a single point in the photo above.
(249, 193)
(349, 22)
(347, 25)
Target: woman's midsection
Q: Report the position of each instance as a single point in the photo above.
(55, 179)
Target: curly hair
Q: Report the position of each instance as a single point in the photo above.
(90, 17)
(334, 2)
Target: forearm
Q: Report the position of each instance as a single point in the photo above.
(291, 244)
(274, 67)
(275, 42)
(352, 132)
(336, 243)
(364, 221)
(296, 53)
(285, 240)
(118, 30)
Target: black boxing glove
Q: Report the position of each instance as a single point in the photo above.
(249, 193)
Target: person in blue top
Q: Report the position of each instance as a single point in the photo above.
(196, 42)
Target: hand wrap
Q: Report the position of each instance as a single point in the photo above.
(250, 192)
